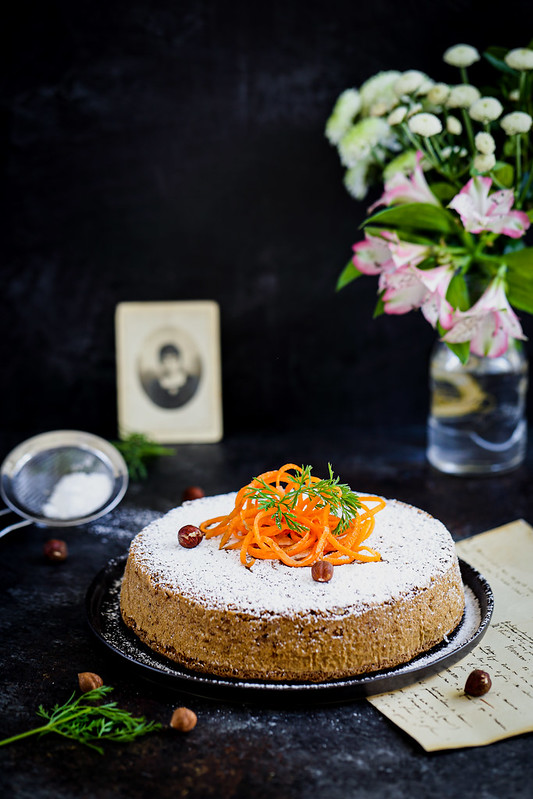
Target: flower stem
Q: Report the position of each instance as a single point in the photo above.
(469, 131)
(525, 189)
(518, 160)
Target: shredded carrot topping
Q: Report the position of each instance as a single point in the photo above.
(290, 515)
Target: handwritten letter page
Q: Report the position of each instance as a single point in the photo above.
(436, 712)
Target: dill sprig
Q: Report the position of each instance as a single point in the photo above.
(82, 721)
(343, 502)
(137, 449)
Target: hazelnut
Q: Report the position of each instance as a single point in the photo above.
(478, 683)
(183, 719)
(55, 550)
(322, 571)
(193, 492)
(190, 536)
(88, 681)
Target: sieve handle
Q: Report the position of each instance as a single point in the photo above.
(15, 526)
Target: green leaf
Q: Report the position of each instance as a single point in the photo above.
(379, 310)
(462, 350)
(348, 274)
(457, 294)
(495, 56)
(443, 191)
(520, 261)
(519, 278)
(418, 216)
(504, 174)
(520, 295)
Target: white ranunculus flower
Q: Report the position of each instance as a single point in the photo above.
(358, 142)
(426, 86)
(425, 124)
(516, 122)
(486, 109)
(397, 116)
(520, 58)
(409, 82)
(379, 89)
(454, 126)
(379, 109)
(355, 179)
(485, 143)
(484, 162)
(415, 109)
(405, 163)
(462, 96)
(461, 55)
(438, 93)
(344, 112)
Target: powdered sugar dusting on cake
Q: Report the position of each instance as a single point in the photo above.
(413, 545)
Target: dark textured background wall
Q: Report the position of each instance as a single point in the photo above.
(174, 151)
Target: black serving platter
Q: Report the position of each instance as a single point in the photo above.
(103, 615)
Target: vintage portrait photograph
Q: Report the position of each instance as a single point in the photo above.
(168, 370)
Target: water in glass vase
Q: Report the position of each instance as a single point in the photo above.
(477, 422)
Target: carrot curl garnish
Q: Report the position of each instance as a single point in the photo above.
(290, 515)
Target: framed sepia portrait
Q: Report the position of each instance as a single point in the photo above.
(168, 370)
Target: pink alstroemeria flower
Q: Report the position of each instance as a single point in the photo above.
(488, 324)
(409, 287)
(372, 256)
(405, 252)
(404, 189)
(376, 255)
(480, 211)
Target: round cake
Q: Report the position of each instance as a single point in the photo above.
(204, 609)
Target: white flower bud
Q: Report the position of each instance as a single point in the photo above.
(461, 55)
(447, 152)
(438, 93)
(397, 116)
(462, 96)
(521, 58)
(484, 162)
(485, 144)
(425, 124)
(453, 126)
(516, 122)
(514, 95)
(486, 109)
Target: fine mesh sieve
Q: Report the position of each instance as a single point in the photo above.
(62, 479)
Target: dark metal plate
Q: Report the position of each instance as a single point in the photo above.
(103, 615)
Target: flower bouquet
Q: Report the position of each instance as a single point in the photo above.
(446, 236)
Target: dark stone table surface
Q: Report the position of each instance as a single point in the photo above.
(237, 749)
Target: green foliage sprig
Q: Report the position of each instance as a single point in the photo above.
(82, 721)
(343, 502)
(137, 449)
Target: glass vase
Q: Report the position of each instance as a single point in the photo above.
(476, 422)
